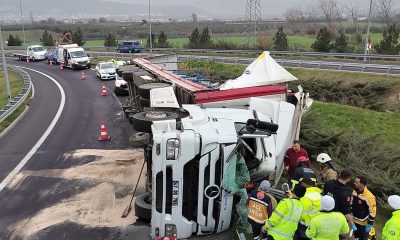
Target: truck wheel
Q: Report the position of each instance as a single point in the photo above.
(144, 102)
(144, 89)
(139, 140)
(143, 206)
(142, 121)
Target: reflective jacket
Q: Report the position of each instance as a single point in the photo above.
(284, 219)
(311, 204)
(259, 206)
(327, 226)
(364, 207)
(327, 174)
(391, 231)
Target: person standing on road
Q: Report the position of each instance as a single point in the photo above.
(328, 224)
(342, 196)
(302, 171)
(391, 231)
(284, 219)
(259, 205)
(292, 155)
(363, 208)
(328, 171)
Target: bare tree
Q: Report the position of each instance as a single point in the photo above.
(385, 8)
(331, 11)
(295, 19)
(311, 15)
(353, 11)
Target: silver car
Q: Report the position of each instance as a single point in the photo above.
(105, 71)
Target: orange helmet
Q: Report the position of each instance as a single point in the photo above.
(302, 159)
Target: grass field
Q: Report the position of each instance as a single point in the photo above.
(31, 36)
(15, 86)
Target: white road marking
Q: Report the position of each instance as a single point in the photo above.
(15, 171)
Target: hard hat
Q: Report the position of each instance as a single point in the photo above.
(327, 203)
(323, 158)
(265, 185)
(302, 159)
(394, 201)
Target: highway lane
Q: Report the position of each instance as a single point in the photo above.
(37, 189)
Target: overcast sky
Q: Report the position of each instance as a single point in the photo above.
(236, 7)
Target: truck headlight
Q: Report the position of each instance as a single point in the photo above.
(170, 230)
(173, 148)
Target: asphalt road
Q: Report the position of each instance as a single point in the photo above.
(73, 186)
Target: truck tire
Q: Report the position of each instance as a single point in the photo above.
(142, 121)
(139, 140)
(143, 206)
(144, 102)
(144, 89)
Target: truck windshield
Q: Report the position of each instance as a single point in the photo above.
(37, 49)
(78, 54)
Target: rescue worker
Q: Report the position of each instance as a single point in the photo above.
(342, 195)
(311, 204)
(291, 157)
(284, 219)
(327, 168)
(328, 224)
(259, 205)
(302, 171)
(391, 231)
(363, 208)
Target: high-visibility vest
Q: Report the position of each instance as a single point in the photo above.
(311, 204)
(258, 205)
(284, 219)
(327, 225)
(391, 231)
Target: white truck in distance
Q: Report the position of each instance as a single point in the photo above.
(33, 53)
(72, 56)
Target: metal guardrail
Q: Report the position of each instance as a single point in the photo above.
(356, 56)
(20, 98)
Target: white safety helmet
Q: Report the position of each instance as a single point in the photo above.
(394, 201)
(327, 203)
(323, 158)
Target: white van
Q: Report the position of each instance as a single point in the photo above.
(73, 56)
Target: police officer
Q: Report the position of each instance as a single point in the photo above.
(284, 219)
(259, 208)
(328, 224)
(328, 171)
(342, 195)
(363, 208)
(391, 231)
(302, 171)
(311, 204)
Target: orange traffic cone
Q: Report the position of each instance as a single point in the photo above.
(104, 91)
(103, 132)
(61, 67)
(83, 76)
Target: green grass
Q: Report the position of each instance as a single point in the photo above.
(31, 36)
(15, 86)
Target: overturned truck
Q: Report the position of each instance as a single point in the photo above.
(196, 133)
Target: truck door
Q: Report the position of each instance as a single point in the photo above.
(65, 55)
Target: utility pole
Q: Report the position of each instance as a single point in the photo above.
(22, 21)
(150, 37)
(5, 68)
(367, 34)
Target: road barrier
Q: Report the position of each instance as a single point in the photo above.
(20, 98)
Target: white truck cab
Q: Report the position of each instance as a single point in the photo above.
(33, 53)
(189, 163)
(73, 56)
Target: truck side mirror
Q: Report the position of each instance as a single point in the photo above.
(253, 124)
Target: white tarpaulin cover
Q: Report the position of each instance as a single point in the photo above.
(262, 71)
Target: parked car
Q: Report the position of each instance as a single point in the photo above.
(105, 70)
(130, 46)
(52, 56)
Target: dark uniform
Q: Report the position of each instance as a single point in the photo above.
(341, 194)
(259, 210)
(302, 171)
(364, 212)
